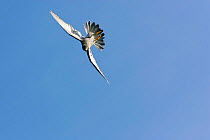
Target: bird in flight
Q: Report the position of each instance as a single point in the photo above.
(94, 37)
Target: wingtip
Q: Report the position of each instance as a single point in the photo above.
(108, 82)
(51, 12)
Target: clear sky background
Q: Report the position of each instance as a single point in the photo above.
(156, 58)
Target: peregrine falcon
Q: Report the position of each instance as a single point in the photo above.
(95, 36)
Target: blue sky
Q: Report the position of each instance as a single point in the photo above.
(156, 58)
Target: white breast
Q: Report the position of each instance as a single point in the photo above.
(87, 43)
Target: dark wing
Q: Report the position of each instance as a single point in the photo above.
(67, 27)
(93, 61)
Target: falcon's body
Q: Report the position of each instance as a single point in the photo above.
(87, 43)
(94, 37)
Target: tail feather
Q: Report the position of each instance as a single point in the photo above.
(96, 28)
(93, 29)
(100, 42)
(98, 46)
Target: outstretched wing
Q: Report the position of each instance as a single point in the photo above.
(93, 61)
(67, 27)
